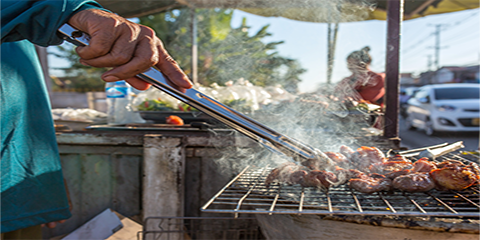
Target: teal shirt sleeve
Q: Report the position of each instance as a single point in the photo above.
(38, 21)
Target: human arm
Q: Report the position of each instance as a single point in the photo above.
(38, 21)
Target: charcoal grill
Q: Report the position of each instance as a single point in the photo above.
(247, 193)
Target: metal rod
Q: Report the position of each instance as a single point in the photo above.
(466, 199)
(403, 153)
(302, 197)
(359, 207)
(273, 203)
(388, 203)
(329, 201)
(223, 189)
(414, 203)
(239, 205)
(444, 204)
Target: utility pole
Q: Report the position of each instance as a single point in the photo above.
(437, 47)
(429, 64)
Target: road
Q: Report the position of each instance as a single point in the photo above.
(417, 138)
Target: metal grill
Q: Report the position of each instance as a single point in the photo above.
(166, 228)
(247, 193)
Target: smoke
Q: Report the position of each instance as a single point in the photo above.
(322, 120)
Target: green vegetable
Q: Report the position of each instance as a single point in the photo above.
(155, 105)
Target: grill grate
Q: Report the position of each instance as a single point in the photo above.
(247, 193)
(225, 228)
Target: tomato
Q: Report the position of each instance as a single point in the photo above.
(174, 120)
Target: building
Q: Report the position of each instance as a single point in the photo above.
(451, 74)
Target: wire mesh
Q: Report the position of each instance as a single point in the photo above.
(247, 193)
(180, 228)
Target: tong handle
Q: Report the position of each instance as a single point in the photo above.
(272, 140)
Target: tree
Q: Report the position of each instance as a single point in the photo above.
(225, 53)
(78, 77)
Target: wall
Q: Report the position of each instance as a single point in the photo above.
(142, 174)
(92, 100)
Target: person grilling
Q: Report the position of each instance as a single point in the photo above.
(364, 84)
(32, 187)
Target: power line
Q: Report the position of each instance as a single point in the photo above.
(437, 33)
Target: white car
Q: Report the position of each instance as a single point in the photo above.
(445, 107)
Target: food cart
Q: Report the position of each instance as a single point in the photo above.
(180, 169)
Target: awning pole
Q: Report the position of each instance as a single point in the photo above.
(394, 21)
(332, 40)
(194, 48)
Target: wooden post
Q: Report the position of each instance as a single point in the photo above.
(163, 180)
(394, 20)
(43, 57)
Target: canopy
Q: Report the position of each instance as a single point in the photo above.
(302, 10)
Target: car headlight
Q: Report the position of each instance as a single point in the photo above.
(446, 108)
(446, 122)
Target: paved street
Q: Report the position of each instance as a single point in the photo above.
(417, 138)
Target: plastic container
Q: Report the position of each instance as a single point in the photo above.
(117, 94)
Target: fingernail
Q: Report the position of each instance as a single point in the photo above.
(110, 79)
(84, 64)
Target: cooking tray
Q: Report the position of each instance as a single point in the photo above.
(247, 193)
(187, 117)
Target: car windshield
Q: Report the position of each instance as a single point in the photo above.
(457, 93)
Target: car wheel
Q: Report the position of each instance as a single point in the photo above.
(409, 123)
(429, 130)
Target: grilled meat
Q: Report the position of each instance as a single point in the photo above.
(364, 157)
(320, 179)
(423, 165)
(338, 158)
(397, 158)
(281, 173)
(454, 177)
(346, 151)
(321, 162)
(297, 177)
(449, 163)
(414, 182)
(392, 169)
(367, 170)
(371, 183)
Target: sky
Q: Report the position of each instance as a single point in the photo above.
(307, 43)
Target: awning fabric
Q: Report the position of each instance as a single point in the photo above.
(301, 10)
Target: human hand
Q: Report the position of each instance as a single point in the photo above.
(52, 224)
(128, 47)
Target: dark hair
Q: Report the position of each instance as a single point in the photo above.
(361, 56)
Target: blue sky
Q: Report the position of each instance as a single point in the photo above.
(307, 42)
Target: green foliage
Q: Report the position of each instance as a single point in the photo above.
(78, 78)
(224, 53)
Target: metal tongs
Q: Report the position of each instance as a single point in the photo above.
(271, 139)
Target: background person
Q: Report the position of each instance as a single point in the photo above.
(363, 84)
